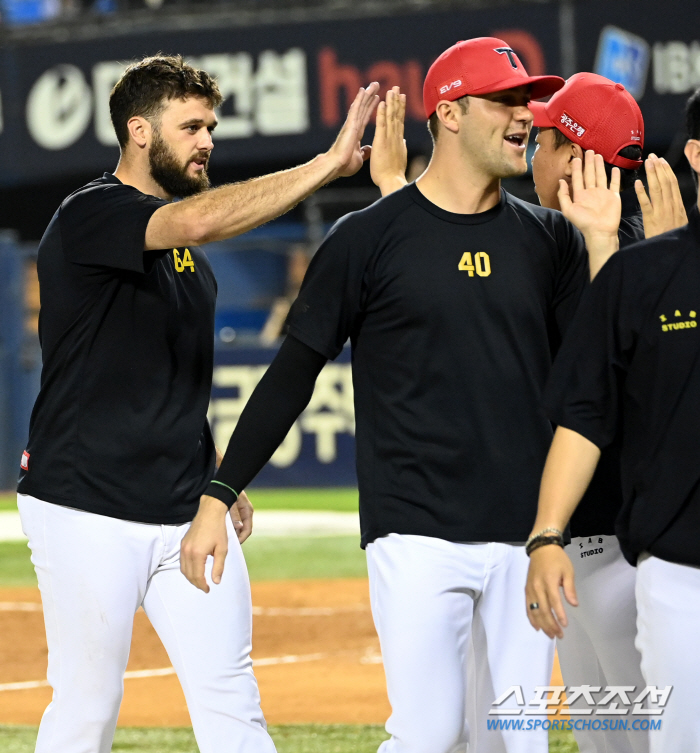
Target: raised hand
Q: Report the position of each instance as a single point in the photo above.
(347, 150)
(550, 570)
(389, 156)
(662, 209)
(595, 208)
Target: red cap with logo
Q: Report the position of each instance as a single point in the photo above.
(595, 113)
(480, 66)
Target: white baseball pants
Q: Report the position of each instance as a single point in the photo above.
(454, 636)
(668, 626)
(598, 645)
(94, 572)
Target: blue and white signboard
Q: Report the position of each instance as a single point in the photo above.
(624, 58)
(320, 447)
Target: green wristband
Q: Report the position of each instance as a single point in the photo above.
(226, 486)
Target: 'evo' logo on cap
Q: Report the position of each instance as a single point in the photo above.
(452, 85)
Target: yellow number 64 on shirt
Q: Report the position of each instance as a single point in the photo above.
(182, 262)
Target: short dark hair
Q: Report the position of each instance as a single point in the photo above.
(627, 176)
(146, 85)
(434, 121)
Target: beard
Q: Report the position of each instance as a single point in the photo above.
(170, 174)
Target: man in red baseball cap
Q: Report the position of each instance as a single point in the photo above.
(487, 74)
(454, 295)
(590, 114)
(594, 113)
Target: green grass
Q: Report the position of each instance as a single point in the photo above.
(8, 501)
(289, 738)
(341, 499)
(323, 557)
(268, 559)
(15, 567)
(331, 738)
(562, 742)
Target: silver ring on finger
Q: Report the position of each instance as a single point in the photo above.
(534, 605)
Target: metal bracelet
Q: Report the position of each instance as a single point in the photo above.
(540, 541)
(542, 532)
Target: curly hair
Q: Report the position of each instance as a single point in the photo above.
(147, 85)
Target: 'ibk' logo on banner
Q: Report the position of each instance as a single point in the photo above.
(624, 58)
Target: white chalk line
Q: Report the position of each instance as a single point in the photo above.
(369, 657)
(291, 659)
(308, 611)
(24, 685)
(30, 606)
(268, 524)
(20, 606)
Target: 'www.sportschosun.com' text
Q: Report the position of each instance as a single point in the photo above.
(610, 725)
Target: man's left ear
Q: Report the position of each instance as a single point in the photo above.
(692, 153)
(574, 151)
(140, 130)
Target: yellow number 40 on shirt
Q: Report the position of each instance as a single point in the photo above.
(481, 264)
(182, 262)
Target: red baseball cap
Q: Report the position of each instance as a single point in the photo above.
(480, 66)
(597, 114)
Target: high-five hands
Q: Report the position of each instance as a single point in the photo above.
(550, 570)
(389, 155)
(595, 207)
(662, 209)
(347, 150)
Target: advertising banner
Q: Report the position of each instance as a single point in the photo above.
(651, 48)
(286, 87)
(320, 448)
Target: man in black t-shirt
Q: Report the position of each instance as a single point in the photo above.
(454, 295)
(119, 447)
(599, 647)
(593, 113)
(630, 366)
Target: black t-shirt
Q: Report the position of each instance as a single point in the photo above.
(453, 319)
(601, 503)
(631, 364)
(631, 222)
(119, 427)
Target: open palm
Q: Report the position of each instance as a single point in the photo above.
(595, 208)
(347, 148)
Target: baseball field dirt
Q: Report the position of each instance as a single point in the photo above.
(316, 652)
